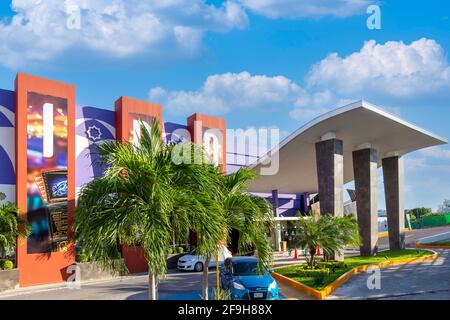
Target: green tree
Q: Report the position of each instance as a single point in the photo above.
(419, 212)
(330, 233)
(250, 215)
(145, 199)
(11, 228)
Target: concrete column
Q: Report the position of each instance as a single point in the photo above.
(393, 190)
(330, 175)
(277, 236)
(275, 202)
(365, 173)
(304, 205)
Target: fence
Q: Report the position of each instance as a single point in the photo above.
(431, 221)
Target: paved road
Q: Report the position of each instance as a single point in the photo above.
(181, 286)
(428, 280)
(176, 286)
(415, 235)
(187, 285)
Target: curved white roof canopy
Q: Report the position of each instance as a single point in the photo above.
(358, 125)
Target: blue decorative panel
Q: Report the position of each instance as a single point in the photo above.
(7, 147)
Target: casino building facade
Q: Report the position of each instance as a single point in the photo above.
(46, 155)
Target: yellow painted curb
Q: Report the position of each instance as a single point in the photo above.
(299, 286)
(322, 294)
(429, 246)
(385, 233)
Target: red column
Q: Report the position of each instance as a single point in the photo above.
(48, 266)
(128, 110)
(201, 126)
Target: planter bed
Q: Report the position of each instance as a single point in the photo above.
(322, 281)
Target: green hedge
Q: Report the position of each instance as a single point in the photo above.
(6, 264)
(434, 220)
(447, 218)
(330, 265)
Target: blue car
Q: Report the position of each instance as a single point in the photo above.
(239, 276)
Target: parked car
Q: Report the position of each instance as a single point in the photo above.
(194, 262)
(240, 277)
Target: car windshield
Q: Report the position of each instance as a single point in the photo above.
(194, 252)
(248, 268)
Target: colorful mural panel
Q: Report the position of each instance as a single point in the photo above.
(47, 189)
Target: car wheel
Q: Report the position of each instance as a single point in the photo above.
(198, 267)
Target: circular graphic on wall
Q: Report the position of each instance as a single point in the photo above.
(93, 133)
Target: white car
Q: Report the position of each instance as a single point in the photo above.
(194, 262)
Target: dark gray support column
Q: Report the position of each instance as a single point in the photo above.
(365, 173)
(393, 190)
(275, 202)
(305, 206)
(277, 230)
(330, 175)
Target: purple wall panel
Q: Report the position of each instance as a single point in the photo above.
(93, 126)
(7, 147)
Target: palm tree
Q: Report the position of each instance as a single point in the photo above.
(250, 215)
(11, 228)
(330, 233)
(144, 199)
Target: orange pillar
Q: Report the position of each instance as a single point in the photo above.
(43, 152)
(210, 132)
(129, 110)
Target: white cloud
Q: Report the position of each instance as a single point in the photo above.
(312, 104)
(394, 68)
(436, 153)
(223, 93)
(297, 9)
(39, 29)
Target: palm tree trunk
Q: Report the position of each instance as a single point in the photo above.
(312, 253)
(2, 252)
(217, 272)
(205, 279)
(153, 286)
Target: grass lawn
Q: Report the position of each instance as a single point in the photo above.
(441, 243)
(298, 273)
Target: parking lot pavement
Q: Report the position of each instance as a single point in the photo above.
(176, 284)
(428, 280)
(422, 281)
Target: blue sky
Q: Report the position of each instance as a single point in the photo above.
(257, 63)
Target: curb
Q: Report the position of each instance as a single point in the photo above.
(60, 285)
(429, 246)
(386, 233)
(322, 294)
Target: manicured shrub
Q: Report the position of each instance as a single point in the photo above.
(332, 265)
(82, 257)
(6, 264)
(180, 250)
(319, 278)
(305, 271)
